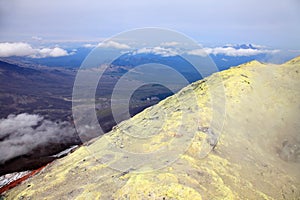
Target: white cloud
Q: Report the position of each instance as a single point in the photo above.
(109, 44)
(48, 52)
(113, 44)
(20, 134)
(16, 49)
(158, 51)
(197, 52)
(25, 49)
(230, 51)
(90, 45)
(168, 49)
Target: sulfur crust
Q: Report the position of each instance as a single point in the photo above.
(262, 106)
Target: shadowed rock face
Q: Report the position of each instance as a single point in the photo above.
(255, 155)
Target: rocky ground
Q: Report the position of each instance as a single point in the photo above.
(233, 135)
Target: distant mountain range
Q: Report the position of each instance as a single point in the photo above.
(242, 46)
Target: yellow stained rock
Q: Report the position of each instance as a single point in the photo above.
(256, 154)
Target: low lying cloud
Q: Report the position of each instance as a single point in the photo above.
(197, 52)
(90, 45)
(113, 44)
(47, 52)
(233, 51)
(108, 44)
(230, 51)
(20, 134)
(167, 49)
(166, 52)
(24, 49)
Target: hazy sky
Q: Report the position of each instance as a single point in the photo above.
(268, 22)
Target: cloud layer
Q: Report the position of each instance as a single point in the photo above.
(226, 51)
(20, 134)
(231, 51)
(24, 49)
(165, 52)
(173, 48)
(113, 44)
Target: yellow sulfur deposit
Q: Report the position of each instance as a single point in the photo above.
(256, 154)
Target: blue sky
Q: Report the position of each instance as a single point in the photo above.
(273, 23)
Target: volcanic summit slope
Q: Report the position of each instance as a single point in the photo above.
(255, 155)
